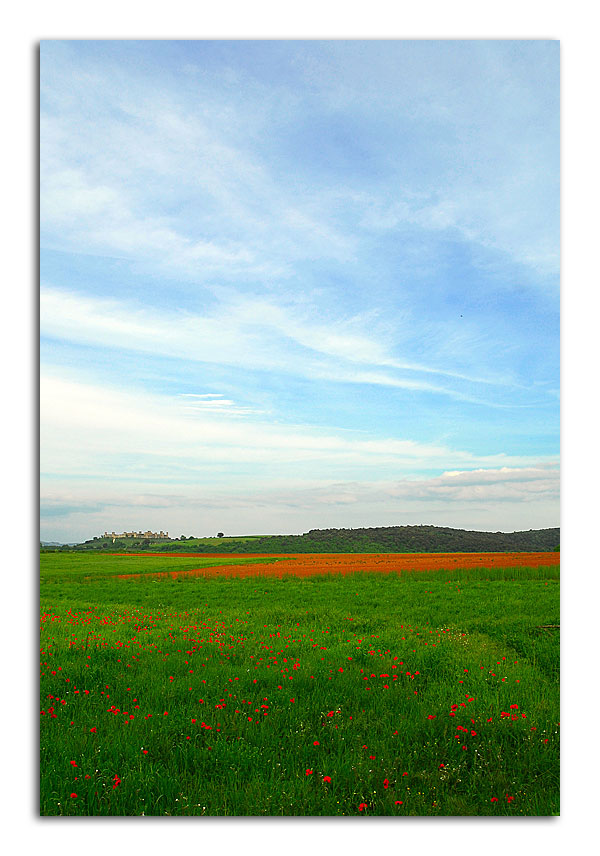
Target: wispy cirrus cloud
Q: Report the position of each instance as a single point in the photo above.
(255, 334)
(104, 426)
(243, 221)
(215, 403)
(200, 149)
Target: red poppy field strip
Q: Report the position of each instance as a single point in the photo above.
(305, 565)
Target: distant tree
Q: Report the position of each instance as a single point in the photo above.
(220, 534)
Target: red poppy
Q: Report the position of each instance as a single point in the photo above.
(362, 806)
(494, 799)
(73, 796)
(386, 783)
(327, 778)
(309, 772)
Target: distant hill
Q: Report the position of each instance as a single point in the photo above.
(395, 539)
(380, 539)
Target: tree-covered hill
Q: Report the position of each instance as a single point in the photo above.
(398, 539)
(381, 539)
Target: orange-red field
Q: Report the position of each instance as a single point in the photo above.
(307, 564)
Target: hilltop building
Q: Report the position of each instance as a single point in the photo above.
(115, 535)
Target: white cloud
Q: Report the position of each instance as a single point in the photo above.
(504, 499)
(90, 430)
(501, 216)
(227, 213)
(107, 162)
(256, 334)
(77, 212)
(216, 403)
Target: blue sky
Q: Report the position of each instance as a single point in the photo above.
(298, 284)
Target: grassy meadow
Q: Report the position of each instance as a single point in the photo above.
(429, 693)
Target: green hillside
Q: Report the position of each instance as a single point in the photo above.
(381, 539)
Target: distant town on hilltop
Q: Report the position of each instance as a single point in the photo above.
(148, 534)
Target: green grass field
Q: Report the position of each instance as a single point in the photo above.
(416, 694)
(91, 567)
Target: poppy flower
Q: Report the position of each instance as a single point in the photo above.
(73, 796)
(386, 783)
(494, 799)
(327, 778)
(309, 772)
(362, 806)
